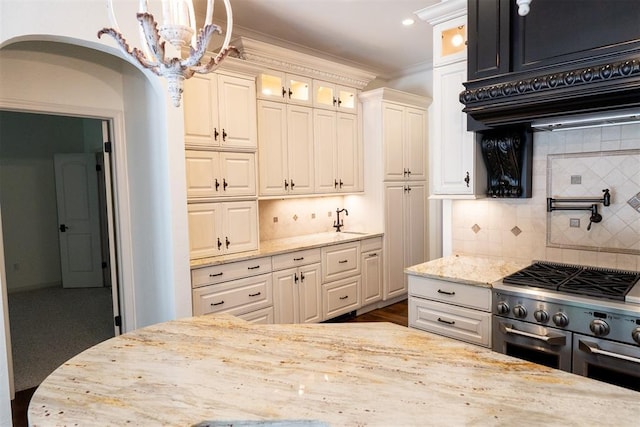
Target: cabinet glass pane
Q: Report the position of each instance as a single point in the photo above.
(324, 95)
(454, 40)
(347, 99)
(299, 90)
(271, 85)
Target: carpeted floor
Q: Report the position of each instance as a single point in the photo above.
(49, 326)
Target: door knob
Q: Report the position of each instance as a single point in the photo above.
(63, 228)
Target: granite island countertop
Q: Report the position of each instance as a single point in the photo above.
(471, 270)
(217, 367)
(288, 244)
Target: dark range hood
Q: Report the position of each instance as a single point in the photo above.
(564, 58)
(607, 94)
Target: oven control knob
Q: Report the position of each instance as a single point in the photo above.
(560, 319)
(519, 311)
(541, 316)
(599, 327)
(502, 308)
(635, 334)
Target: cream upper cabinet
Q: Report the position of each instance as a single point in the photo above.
(213, 174)
(284, 87)
(286, 149)
(337, 152)
(334, 97)
(405, 149)
(457, 168)
(222, 228)
(220, 111)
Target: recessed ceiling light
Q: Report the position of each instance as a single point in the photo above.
(407, 22)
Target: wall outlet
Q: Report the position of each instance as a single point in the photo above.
(329, 214)
(576, 179)
(275, 219)
(574, 222)
(313, 216)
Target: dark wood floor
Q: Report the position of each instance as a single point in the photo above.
(395, 313)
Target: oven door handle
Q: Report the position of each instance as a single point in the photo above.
(593, 348)
(551, 339)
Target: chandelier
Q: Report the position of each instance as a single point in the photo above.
(179, 29)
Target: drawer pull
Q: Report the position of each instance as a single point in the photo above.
(217, 303)
(298, 259)
(372, 255)
(344, 297)
(253, 268)
(440, 291)
(343, 261)
(216, 275)
(448, 322)
(254, 295)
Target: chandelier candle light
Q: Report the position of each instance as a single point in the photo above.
(179, 29)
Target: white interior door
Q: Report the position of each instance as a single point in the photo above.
(79, 220)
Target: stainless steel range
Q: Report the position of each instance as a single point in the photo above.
(584, 320)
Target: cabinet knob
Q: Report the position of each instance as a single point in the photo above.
(340, 183)
(290, 93)
(284, 92)
(292, 184)
(335, 183)
(224, 184)
(467, 179)
(227, 242)
(286, 184)
(224, 135)
(217, 184)
(215, 134)
(219, 243)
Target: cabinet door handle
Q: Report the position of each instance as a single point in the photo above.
(335, 183)
(339, 102)
(467, 179)
(219, 243)
(292, 184)
(344, 297)
(254, 295)
(373, 255)
(295, 277)
(225, 184)
(284, 92)
(217, 184)
(404, 172)
(340, 183)
(217, 303)
(227, 242)
(224, 134)
(298, 259)
(286, 184)
(290, 93)
(215, 275)
(335, 102)
(301, 277)
(215, 134)
(448, 322)
(408, 172)
(253, 268)
(440, 291)
(343, 261)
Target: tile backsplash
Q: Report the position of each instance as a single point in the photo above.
(598, 158)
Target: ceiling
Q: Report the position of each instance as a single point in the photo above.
(362, 33)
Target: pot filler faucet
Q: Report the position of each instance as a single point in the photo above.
(339, 224)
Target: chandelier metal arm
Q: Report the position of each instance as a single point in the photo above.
(135, 53)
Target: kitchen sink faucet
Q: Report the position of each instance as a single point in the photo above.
(339, 224)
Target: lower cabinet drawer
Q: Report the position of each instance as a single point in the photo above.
(234, 270)
(461, 323)
(263, 316)
(235, 297)
(340, 297)
(478, 297)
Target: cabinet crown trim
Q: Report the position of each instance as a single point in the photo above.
(393, 95)
(279, 58)
(443, 11)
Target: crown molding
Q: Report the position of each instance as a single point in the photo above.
(282, 59)
(394, 95)
(443, 11)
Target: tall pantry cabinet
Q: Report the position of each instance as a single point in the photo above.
(395, 137)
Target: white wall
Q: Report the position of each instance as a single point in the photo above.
(150, 129)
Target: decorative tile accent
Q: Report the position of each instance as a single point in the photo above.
(516, 231)
(475, 228)
(634, 202)
(619, 171)
(295, 217)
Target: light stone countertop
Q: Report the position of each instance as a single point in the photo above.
(466, 269)
(278, 246)
(217, 367)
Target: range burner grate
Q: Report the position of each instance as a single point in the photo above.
(575, 279)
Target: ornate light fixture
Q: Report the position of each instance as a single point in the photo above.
(179, 29)
(523, 7)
